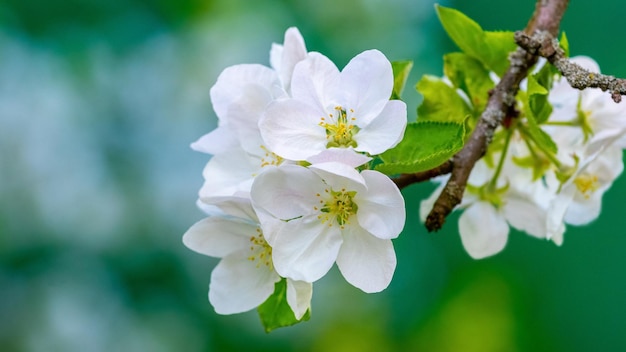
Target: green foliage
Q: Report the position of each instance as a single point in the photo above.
(469, 75)
(275, 311)
(426, 144)
(441, 102)
(490, 48)
(564, 44)
(401, 70)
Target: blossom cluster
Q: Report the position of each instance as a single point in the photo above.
(537, 180)
(289, 191)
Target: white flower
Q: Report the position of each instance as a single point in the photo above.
(239, 98)
(579, 199)
(488, 212)
(245, 276)
(595, 118)
(329, 212)
(332, 109)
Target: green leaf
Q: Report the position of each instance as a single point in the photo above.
(426, 144)
(564, 44)
(401, 70)
(275, 311)
(538, 103)
(469, 75)
(441, 102)
(490, 48)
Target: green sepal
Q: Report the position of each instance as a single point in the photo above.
(441, 102)
(275, 311)
(490, 48)
(469, 75)
(426, 144)
(401, 71)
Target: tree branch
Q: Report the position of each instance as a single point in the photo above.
(546, 45)
(547, 17)
(408, 179)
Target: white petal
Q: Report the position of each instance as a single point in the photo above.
(305, 249)
(365, 261)
(339, 175)
(294, 51)
(218, 237)
(342, 155)
(217, 141)
(315, 82)
(556, 213)
(299, 295)
(385, 131)
(526, 216)
(366, 83)
(290, 129)
(230, 84)
(581, 213)
(286, 192)
(381, 209)
(240, 207)
(238, 285)
(228, 173)
(483, 231)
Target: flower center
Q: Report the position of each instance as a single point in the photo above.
(261, 252)
(336, 205)
(339, 128)
(586, 184)
(270, 158)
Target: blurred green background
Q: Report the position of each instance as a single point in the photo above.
(99, 101)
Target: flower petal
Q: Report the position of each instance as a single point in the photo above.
(218, 236)
(315, 82)
(228, 173)
(290, 129)
(299, 294)
(240, 207)
(286, 192)
(525, 215)
(381, 209)
(366, 83)
(217, 141)
(385, 131)
(365, 261)
(293, 51)
(238, 285)
(233, 79)
(338, 175)
(342, 155)
(305, 248)
(483, 231)
(581, 213)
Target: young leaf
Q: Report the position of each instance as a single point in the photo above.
(426, 144)
(275, 311)
(441, 102)
(564, 44)
(490, 48)
(401, 70)
(538, 103)
(469, 75)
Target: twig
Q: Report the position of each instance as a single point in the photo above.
(547, 17)
(545, 45)
(408, 179)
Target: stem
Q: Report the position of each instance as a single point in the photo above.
(505, 149)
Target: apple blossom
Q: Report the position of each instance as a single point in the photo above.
(245, 275)
(329, 109)
(328, 213)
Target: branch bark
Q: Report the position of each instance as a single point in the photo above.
(544, 44)
(546, 18)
